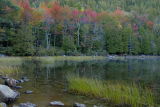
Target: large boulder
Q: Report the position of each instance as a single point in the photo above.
(7, 94)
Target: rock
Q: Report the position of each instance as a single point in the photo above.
(10, 82)
(79, 105)
(97, 106)
(3, 77)
(25, 79)
(28, 92)
(3, 105)
(56, 103)
(18, 87)
(28, 104)
(7, 94)
(20, 81)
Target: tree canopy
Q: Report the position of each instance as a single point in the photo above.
(77, 27)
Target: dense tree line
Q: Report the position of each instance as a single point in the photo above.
(76, 27)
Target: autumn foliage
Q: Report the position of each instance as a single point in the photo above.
(87, 30)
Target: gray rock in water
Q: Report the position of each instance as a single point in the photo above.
(10, 82)
(97, 106)
(3, 105)
(18, 87)
(20, 81)
(7, 94)
(28, 92)
(28, 104)
(79, 105)
(25, 79)
(56, 103)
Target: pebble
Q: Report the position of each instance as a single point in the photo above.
(28, 92)
(79, 105)
(56, 103)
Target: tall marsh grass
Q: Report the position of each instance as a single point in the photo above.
(115, 92)
(8, 70)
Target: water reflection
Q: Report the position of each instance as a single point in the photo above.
(48, 81)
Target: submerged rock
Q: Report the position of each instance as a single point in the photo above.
(28, 92)
(3, 105)
(28, 104)
(79, 105)
(18, 87)
(7, 94)
(56, 103)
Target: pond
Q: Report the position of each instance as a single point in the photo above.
(48, 81)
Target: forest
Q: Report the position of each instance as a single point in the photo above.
(79, 53)
(79, 27)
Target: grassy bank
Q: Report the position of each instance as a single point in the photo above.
(69, 58)
(115, 92)
(10, 60)
(48, 59)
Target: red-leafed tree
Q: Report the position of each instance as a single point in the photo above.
(56, 12)
(118, 12)
(150, 24)
(26, 10)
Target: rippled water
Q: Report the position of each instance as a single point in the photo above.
(48, 81)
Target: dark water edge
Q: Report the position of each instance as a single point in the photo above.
(48, 80)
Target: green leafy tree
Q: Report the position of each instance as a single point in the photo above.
(68, 44)
(23, 42)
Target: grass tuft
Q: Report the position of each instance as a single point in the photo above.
(115, 92)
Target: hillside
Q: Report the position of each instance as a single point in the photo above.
(79, 27)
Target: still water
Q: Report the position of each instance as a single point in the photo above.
(48, 81)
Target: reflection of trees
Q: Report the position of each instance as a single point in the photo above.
(89, 69)
(132, 70)
(144, 71)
